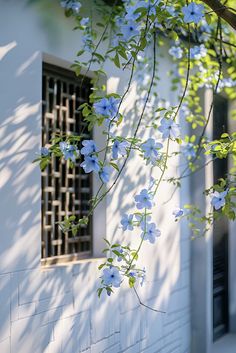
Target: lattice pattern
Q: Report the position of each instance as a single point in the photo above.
(65, 191)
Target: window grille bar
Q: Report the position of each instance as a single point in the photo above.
(65, 191)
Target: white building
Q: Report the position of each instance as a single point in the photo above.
(53, 307)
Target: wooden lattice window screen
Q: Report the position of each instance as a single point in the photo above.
(65, 191)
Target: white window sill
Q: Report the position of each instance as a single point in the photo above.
(226, 344)
(74, 262)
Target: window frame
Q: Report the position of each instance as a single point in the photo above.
(66, 73)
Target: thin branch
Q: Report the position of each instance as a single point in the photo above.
(137, 127)
(187, 77)
(145, 305)
(199, 149)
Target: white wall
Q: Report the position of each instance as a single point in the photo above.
(56, 309)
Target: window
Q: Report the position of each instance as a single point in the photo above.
(220, 232)
(65, 191)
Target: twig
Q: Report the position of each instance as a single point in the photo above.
(145, 305)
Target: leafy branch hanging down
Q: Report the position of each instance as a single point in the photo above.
(132, 35)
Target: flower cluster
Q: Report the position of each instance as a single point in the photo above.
(89, 152)
(133, 26)
(71, 5)
(114, 273)
(91, 162)
(176, 52)
(87, 37)
(69, 151)
(198, 52)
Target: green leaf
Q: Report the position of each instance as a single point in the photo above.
(43, 164)
(117, 60)
(117, 253)
(143, 43)
(101, 266)
(78, 70)
(208, 18)
(123, 54)
(99, 292)
(115, 246)
(131, 281)
(86, 111)
(74, 231)
(98, 56)
(114, 165)
(108, 243)
(134, 255)
(80, 52)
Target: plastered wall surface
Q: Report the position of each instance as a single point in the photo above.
(56, 309)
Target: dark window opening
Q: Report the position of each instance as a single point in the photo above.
(65, 191)
(220, 233)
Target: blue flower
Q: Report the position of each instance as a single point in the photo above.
(198, 52)
(119, 21)
(87, 41)
(228, 82)
(111, 277)
(69, 151)
(114, 102)
(169, 128)
(85, 21)
(144, 200)
(150, 148)
(73, 5)
(127, 222)
(189, 151)
(193, 12)
(105, 174)
(178, 212)
(90, 164)
(44, 151)
(133, 274)
(106, 106)
(63, 146)
(89, 147)
(102, 107)
(120, 250)
(150, 232)
(176, 52)
(129, 30)
(76, 7)
(130, 13)
(218, 199)
(119, 148)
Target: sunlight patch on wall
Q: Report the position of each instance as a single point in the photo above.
(6, 48)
